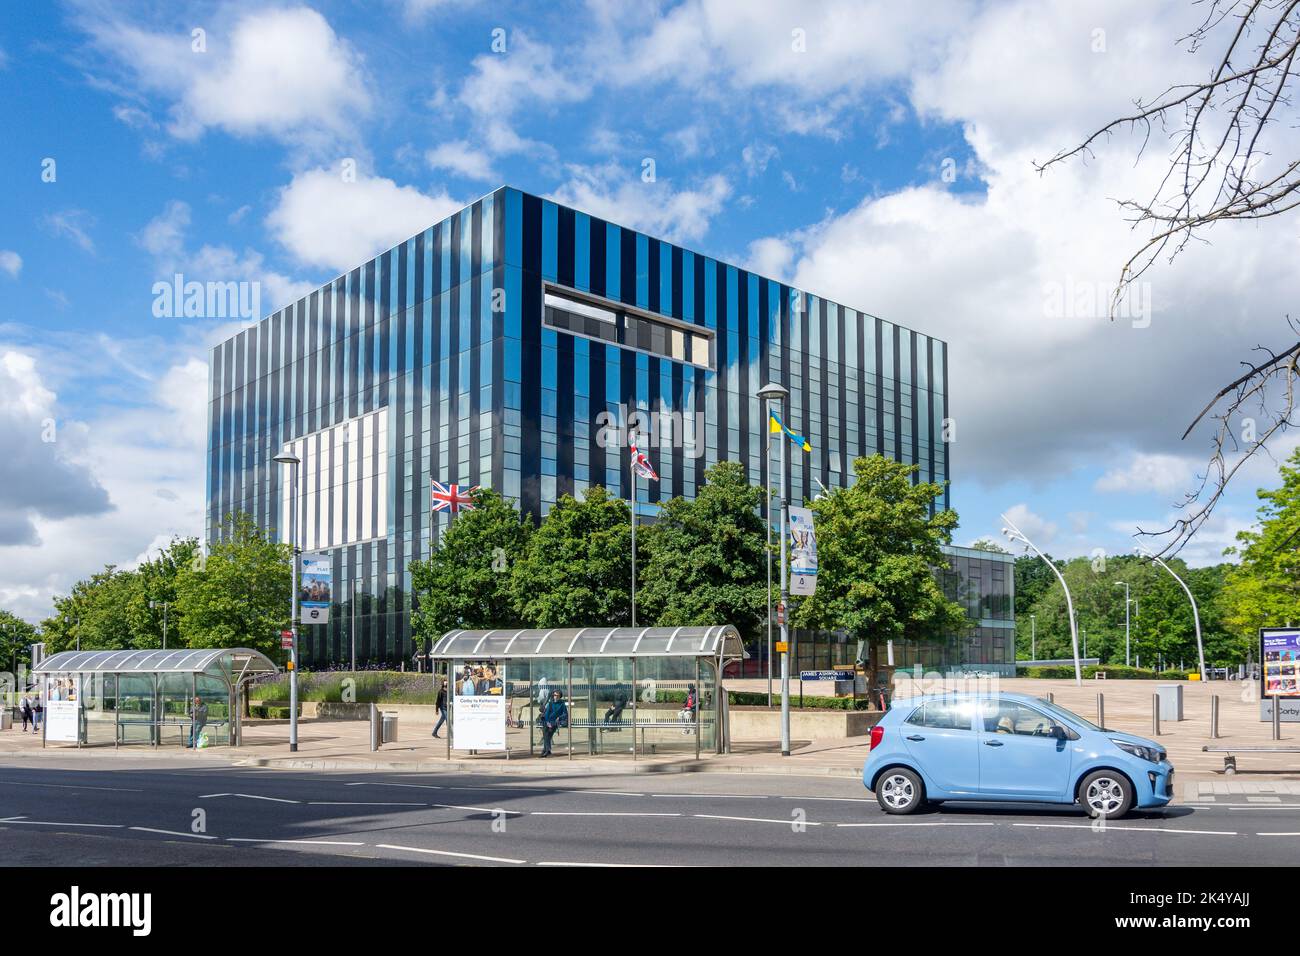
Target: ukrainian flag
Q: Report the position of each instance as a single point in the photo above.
(776, 426)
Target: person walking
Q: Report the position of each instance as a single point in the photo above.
(441, 704)
(555, 716)
(26, 712)
(38, 711)
(198, 718)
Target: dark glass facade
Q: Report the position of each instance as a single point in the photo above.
(507, 346)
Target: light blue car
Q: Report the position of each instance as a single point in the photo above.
(1013, 748)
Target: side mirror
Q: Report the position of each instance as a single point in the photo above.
(1059, 732)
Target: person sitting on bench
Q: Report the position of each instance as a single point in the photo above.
(615, 712)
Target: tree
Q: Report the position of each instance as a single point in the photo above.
(16, 638)
(157, 584)
(1264, 590)
(704, 559)
(240, 595)
(95, 616)
(466, 581)
(878, 543)
(577, 569)
(1223, 169)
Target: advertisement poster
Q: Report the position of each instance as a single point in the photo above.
(478, 712)
(803, 552)
(1279, 651)
(62, 720)
(314, 598)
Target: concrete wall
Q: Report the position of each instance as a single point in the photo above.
(765, 724)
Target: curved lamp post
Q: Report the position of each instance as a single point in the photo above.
(1196, 614)
(1013, 533)
(771, 394)
(293, 462)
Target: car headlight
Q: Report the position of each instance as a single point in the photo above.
(1137, 750)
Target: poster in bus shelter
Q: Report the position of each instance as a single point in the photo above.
(478, 712)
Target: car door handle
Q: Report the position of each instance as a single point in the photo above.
(992, 743)
(916, 737)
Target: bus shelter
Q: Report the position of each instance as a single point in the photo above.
(96, 698)
(629, 691)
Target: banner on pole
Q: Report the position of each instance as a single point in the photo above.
(314, 597)
(803, 552)
(478, 714)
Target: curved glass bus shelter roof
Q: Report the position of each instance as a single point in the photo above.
(721, 642)
(233, 663)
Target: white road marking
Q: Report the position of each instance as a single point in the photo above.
(303, 841)
(708, 796)
(246, 796)
(452, 806)
(834, 799)
(463, 856)
(1118, 828)
(790, 822)
(360, 803)
(1293, 833)
(182, 833)
(638, 865)
(949, 823)
(52, 823)
(69, 786)
(596, 813)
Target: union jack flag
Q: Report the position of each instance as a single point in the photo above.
(640, 463)
(451, 497)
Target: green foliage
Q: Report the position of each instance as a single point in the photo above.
(16, 638)
(1264, 590)
(702, 562)
(878, 545)
(96, 613)
(240, 595)
(466, 581)
(1113, 672)
(155, 580)
(743, 698)
(368, 687)
(988, 544)
(577, 568)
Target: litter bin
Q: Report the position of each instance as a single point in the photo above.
(390, 728)
(1171, 701)
(7, 720)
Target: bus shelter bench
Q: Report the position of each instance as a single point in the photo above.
(1230, 761)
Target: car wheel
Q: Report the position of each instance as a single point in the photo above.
(899, 790)
(1106, 794)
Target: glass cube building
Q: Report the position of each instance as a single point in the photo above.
(510, 346)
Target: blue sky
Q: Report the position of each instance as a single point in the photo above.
(811, 145)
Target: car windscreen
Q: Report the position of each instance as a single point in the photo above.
(1068, 714)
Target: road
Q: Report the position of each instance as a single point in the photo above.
(124, 812)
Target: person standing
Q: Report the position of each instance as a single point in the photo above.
(38, 711)
(555, 716)
(441, 704)
(198, 718)
(27, 712)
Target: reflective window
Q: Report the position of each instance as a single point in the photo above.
(942, 715)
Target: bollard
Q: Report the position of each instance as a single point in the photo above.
(1277, 719)
(1101, 711)
(1155, 715)
(1214, 717)
(1051, 698)
(375, 727)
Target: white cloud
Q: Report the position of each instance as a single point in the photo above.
(278, 71)
(679, 215)
(164, 238)
(10, 262)
(1038, 529)
(71, 224)
(325, 221)
(1163, 474)
(462, 158)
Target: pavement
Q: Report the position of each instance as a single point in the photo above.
(344, 745)
(129, 810)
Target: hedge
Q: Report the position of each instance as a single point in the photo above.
(372, 687)
(1116, 671)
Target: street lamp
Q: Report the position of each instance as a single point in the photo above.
(1126, 621)
(774, 393)
(1012, 533)
(1196, 614)
(1033, 637)
(293, 462)
(161, 604)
